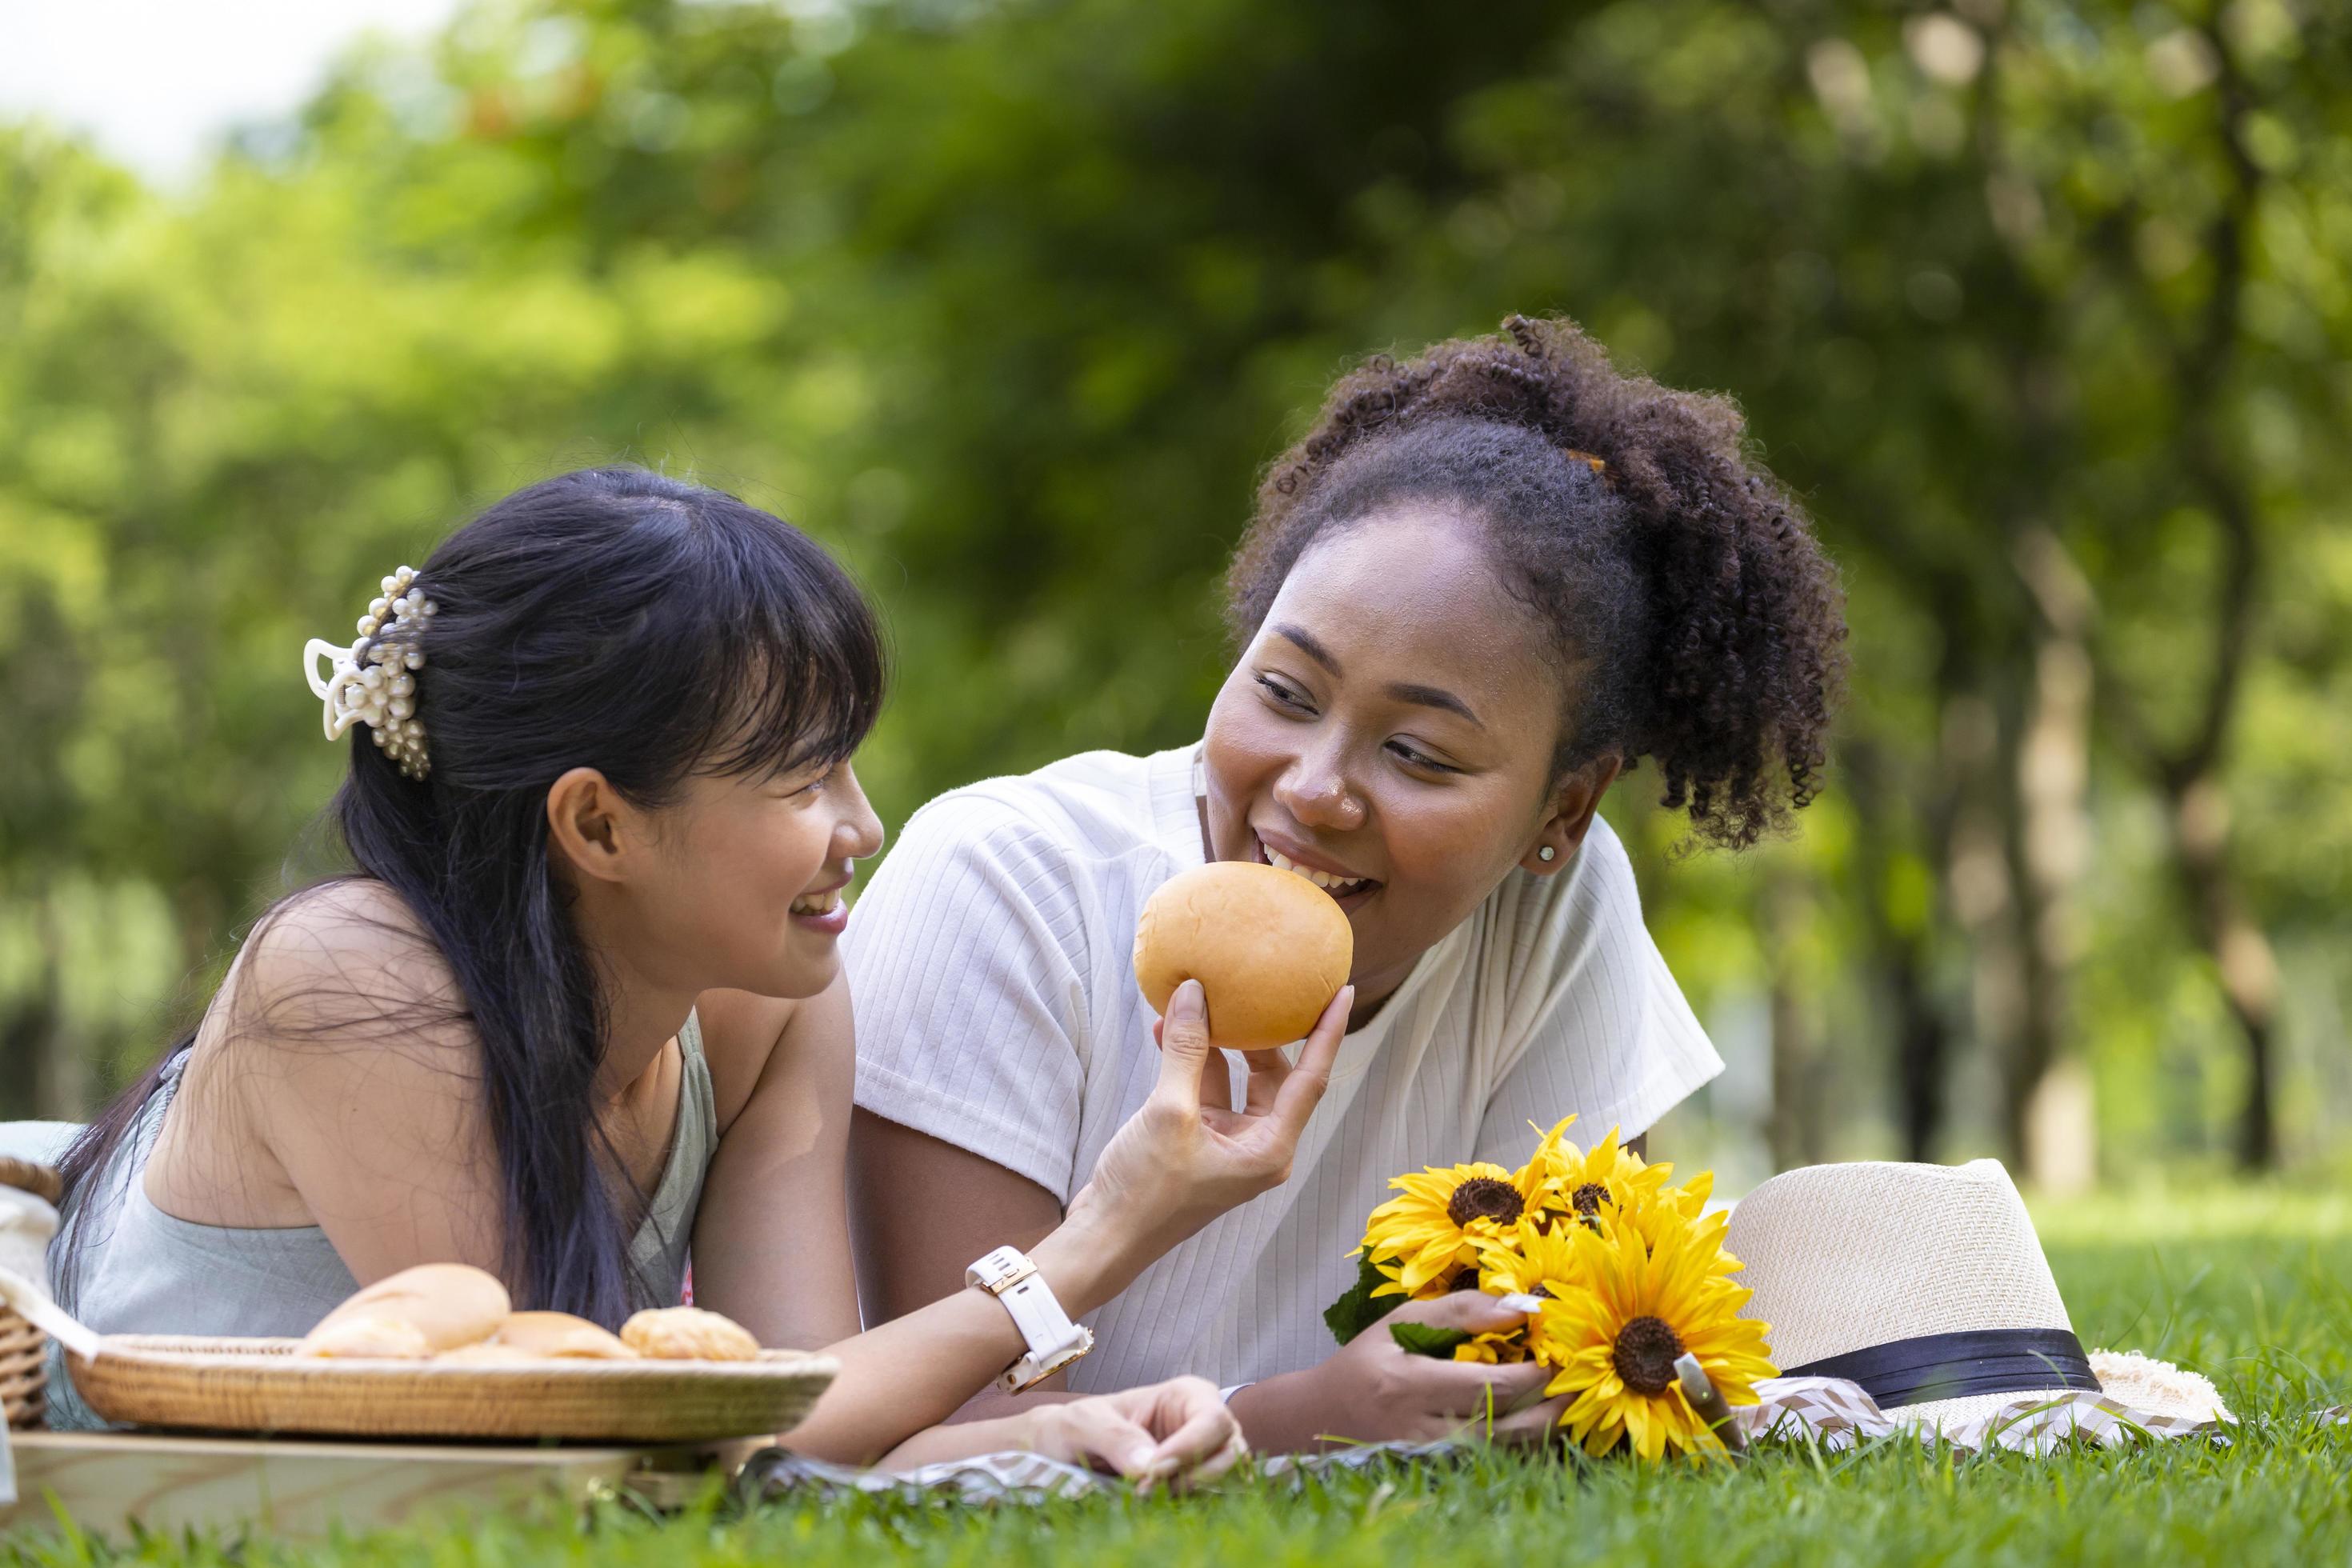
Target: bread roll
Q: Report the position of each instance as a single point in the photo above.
(1269, 948)
(447, 1305)
(689, 1334)
(561, 1335)
(372, 1338)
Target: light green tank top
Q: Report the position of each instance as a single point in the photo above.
(145, 1272)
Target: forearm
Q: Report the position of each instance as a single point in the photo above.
(994, 1402)
(961, 1441)
(915, 1371)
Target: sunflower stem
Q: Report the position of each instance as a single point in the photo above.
(1700, 1390)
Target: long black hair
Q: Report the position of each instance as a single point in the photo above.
(615, 619)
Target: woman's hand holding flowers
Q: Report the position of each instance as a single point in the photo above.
(1374, 1390)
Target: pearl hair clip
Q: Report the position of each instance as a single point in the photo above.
(373, 681)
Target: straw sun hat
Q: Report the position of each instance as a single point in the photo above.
(1927, 1286)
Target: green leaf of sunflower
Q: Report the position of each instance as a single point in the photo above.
(1354, 1312)
(1428, 1339)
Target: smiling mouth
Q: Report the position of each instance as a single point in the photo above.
(822, 903)
(1337, 886)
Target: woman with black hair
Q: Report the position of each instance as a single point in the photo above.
(579, 1007)
(1486, 584)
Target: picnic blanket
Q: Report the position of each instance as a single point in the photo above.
(1022, 1478)
(1830, 1411)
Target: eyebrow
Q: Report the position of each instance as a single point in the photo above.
(1401, 690)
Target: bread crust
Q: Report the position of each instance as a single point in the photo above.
(1269, 948)
(445, 1304)
(368, 1339)
(689, 1334)
(562, 1336)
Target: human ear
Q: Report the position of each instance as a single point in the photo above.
(1569, 816)
(590, 825)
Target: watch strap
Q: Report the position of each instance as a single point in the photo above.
(1053, 1340)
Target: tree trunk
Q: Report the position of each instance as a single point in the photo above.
(1901, 943)
(2241, 952)
(1796, 1131)
(2189, 769)
(1923, 1041)
(1979, 755)
(2051, 1123)
(40, 1075)
(24, 1035)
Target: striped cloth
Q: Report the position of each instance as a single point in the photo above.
(1830, 1411)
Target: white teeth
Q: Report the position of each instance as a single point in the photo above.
(1337, 886)
(816, 903)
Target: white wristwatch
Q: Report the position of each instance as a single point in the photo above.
(1054, 1341)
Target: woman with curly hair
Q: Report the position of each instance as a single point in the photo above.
(1488, 582)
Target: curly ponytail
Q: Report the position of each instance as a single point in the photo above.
(1685, 598)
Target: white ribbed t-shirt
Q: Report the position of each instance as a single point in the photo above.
(997, 1010)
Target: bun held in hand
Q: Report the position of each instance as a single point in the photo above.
(1270, 951)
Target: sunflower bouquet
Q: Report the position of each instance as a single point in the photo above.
(1629, 1269)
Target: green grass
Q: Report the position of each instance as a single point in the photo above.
(2251, 1287)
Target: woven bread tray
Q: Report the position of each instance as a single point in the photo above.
(259, 1386)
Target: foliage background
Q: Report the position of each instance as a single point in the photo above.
(2042, 304)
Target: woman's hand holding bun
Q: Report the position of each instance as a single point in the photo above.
(1179, 1162)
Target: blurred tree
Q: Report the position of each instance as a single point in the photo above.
(1989, 299)
(2042, 303)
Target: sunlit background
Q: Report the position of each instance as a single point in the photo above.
(2044, 307)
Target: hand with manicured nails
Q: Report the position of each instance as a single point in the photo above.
(1177, 1432)
(1181, 1160)
(1374, 1390)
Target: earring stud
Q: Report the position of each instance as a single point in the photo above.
(1544, 853)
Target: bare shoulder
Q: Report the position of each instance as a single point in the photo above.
(356, 930)
(337, 1062)
(339, 988)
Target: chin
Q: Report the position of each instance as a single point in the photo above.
(793, 979)
(803, 984)
(809, 977)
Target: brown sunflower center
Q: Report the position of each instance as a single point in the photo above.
(1465, 1280)
(1645, 1357)
(1484, 1197)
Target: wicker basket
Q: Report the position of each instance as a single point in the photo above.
(24, 1349)
(259, 1386)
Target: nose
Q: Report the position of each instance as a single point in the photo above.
(859, 829)
(1313, 790)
